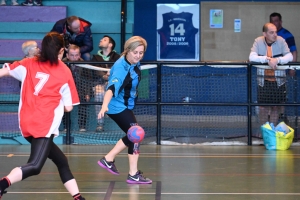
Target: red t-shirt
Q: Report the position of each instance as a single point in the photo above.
(45, 91)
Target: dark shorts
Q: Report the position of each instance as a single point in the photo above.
(125, 120)
(271, 93)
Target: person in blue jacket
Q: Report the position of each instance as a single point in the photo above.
(76, 31)
(119, 100)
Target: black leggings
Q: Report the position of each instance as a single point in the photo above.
(125, 120)
(41, 148)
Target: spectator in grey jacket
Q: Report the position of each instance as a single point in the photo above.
(272, 50)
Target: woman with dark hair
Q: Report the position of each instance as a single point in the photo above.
(119, 101)
(47, 91)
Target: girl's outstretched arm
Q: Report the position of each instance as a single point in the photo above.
(4, 72)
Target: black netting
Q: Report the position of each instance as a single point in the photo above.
(194, 123)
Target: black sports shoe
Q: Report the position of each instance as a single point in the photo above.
(27, 3)
(79, 198)
(2, 192)
(283, 118)
(138, 178)
(37, 3)
(109, 166)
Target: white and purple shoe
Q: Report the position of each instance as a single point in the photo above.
(109, 166)
(138, 178)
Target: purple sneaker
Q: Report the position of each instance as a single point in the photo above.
(138, 178)
(109, 166)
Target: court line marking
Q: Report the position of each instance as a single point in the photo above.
(170, 154)
(109, 191)
(158, 190)
(165, 193)
(180, 174)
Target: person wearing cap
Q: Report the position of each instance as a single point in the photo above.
(76, 30)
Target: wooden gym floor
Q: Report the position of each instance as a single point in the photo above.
(187, 172)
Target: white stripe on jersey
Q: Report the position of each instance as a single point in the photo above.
(58, 114)
(18, 73)
(66, 95)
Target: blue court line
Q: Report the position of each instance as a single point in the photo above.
(109, 190)
(158, 191)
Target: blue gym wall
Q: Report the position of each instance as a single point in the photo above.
(105, 15)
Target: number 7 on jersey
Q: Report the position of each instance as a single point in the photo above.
(43, 79)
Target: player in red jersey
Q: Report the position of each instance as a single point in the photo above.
(47, 91)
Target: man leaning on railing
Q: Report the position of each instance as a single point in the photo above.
(272, 50)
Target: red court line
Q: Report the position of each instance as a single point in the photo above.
(160, 155)
(175, 174)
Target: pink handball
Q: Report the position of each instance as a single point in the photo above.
(136, 134)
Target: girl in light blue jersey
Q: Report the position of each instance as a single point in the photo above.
(119, 100)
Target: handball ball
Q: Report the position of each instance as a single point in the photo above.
(135, 134)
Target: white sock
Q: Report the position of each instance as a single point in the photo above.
(72, 187)
(15, 175)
